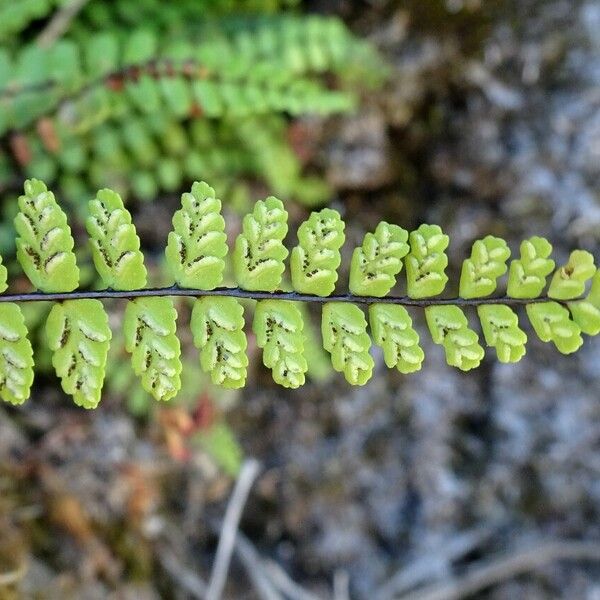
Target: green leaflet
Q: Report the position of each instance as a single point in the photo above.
(259, 251)
(198, 243)
(392, 329)
(3, 277)
(552, 323)
(481, 271)
(376, 263)
(16, 354)
(149, 327)
(569, 281)
(79, 336)
(527, 276)
(449, 327)
(45, 244)
(344, 331)
(426, 262)
(586, 313)
(316, 258)
(278, 327)
(218, 328)
(115, 243)
(501, 330)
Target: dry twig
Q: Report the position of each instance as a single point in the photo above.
(59, 23)
(507, 567)
(434, 565)
(187, 580)
(248, 474)
(255, 569)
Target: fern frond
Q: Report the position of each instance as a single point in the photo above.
(527, 275)
(16, 354)
(58, 101)
(427, 261)
(501, 330)
(392, 329)
(115, 244)
(480, 273)
(376, 263)
(344, 331)
(569, 281)
(198, 243)
(149, 327)
(259, 251)
(278, 327)
(218, 328)
(316, 258)
(586, 313)
(79, 335)
(449, 327)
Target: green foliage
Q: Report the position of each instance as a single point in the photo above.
(392, 329)
(480, 272)
(501, 330)
(198, 243)
(149, 326)
(449, 327)
(552, 323)
(78, 332)
(569, 281)
(278, 327)
(115, 244)
(15, 16)
(527, 276)
(259, 251)
(345, 337)
(218, 328)
(218, 440)
(586, 313)
(3, 277)
(316, 258)
(79, 336)
(111, 106)
(16, 355)
(45, 245)
(376, 263)
(426, 262)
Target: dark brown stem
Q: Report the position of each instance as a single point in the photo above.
(235, 292)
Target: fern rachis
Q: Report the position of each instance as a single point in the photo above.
(78, 330)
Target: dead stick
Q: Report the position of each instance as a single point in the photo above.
(507, 567)
(248, 474)
(59, 23)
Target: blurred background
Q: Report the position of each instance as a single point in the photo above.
(481, 116)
